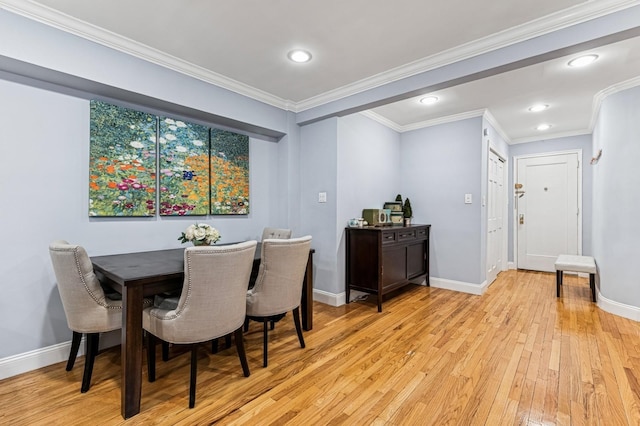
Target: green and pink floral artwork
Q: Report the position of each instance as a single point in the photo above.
(229, 172)
(122, 162)
(184, 168)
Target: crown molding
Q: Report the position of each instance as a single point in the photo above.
(69, 24)
(549, 136)
(496, 126)
(443, 120)
(562, 19)
(382, 120)
(541, 26)
(603, 94)
(423, 124)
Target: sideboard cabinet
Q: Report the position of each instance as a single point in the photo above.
(382, 259)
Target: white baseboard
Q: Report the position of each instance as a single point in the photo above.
(511, 265)
(339, 299)
(38, 358)
(617, 308)
(331, 299)
(460, 286)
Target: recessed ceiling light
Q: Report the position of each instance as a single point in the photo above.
(299, 56)
(429, 100)
(543, 127)
(538, 107)
(582, 61)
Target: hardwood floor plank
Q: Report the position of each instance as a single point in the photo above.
(516, 355)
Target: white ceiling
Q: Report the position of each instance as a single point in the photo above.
(358, 44)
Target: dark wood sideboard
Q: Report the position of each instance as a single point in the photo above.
(382, 259)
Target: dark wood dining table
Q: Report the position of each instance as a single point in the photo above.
(142, 274)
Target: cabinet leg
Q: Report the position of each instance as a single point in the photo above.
(348, 291)
(379, 302)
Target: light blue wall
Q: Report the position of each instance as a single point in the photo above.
(318, 173)
(439, 165)
(44, 169)
(616, 179)
(44, 173)
(368, 173)
(582, 142)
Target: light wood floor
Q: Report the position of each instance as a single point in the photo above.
(516, 355)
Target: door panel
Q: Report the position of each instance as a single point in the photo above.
(547, 214)
(495, 210)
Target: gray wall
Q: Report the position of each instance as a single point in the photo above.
(616, 179)
(438, 166)
(582, 142)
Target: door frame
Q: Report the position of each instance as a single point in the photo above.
(505, 212)
(512, 192)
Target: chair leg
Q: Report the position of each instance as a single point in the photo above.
(241, 352)
(93, 339)
(265, 340)
(592, 284)
(558, 282)
(165, 351)
(151, 357)
(194, 372)
(75, 345)
(272, 324)
(296, 320)
(227, 341)
(246, 324)
(214, 346)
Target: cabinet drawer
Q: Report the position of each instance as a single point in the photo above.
(421, 232)
(389, 237)
(406, 234)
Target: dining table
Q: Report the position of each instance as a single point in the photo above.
(142, 274)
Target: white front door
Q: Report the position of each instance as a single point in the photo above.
(495, 216)
(547, 215)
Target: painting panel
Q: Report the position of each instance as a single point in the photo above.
(122, 161)
(184, 168)
(229, 173)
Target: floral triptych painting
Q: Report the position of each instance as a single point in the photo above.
(184, 168)
(122, 162)
(199, 171)
(229, 172)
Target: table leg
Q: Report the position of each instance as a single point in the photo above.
(306, 305)
(132, 301)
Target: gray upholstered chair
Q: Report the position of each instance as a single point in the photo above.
(86, 307)
(212, 304)
(276, 233)
(278, 288)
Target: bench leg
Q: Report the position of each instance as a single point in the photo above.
(592, 284)
(558, 282)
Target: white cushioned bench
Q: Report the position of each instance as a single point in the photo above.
(567, 262)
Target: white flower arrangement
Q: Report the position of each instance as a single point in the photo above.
(200, 234)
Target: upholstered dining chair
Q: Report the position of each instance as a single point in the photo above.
(212, 304)
(278, 288)
(86, 307)
(276, 233)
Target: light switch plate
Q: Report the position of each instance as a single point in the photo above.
(322, 197)
(467, 198)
